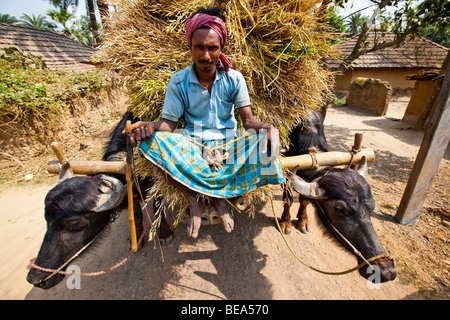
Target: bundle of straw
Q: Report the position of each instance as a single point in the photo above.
(277, 46)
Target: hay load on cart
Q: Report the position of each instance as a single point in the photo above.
(277, 46)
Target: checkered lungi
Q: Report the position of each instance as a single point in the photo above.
(242, 171)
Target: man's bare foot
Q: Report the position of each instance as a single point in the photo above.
(193, 226)
(228, 222)
(195, 209)
(225, 216)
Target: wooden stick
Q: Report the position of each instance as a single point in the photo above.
(90, 167)
(333, 158)
(356, 145)
(431, 152)
(130, 191)
(58, 151)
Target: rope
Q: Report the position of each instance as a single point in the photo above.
(366, 261)
(354, 152)
(130, 159)
(90, 274)
(388, 217)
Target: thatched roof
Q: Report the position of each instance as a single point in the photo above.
(56, 50)
(417, 53)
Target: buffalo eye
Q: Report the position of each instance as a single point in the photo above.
(339, 208)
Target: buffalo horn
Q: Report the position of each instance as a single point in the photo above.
(309, 190)
(66, 172)
(113, 192)
(362, 169)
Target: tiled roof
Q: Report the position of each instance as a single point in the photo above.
(417, 53)
(57, 50)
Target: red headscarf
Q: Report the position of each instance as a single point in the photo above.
(216, 24)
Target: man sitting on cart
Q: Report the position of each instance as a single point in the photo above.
(210, 158)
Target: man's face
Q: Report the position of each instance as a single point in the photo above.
(205, 49)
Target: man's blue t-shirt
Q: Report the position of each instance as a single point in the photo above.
(207, 116)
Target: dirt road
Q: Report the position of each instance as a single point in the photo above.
(253, 261)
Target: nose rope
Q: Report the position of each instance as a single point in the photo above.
(130, 159)
(365, 261)
(90, 274)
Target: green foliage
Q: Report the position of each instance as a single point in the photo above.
(356, 23)
(412, 20)
(29, 90)
(39, 22)
(6, 18)
(437, 34)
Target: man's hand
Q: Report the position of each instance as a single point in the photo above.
(141, 131)
(271, 142)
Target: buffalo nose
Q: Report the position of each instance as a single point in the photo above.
(381, 270)
(34, 278)
(388, 274)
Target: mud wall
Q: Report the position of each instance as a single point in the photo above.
(368, 94)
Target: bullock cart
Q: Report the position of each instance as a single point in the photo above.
(304, 162)
(308, 161)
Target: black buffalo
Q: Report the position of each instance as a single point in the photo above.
(342, 197)
(78, 208)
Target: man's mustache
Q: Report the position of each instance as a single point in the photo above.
(210, 61)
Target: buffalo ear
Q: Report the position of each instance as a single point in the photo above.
(112, 193)
(362, 169)
(309, 190)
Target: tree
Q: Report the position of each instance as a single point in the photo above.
(91, 6)
(91, 9)
(84, 32)
(62, 17)
(39, 22)
(408, 22)
(432, 33)
(6, 18)
(356, 23)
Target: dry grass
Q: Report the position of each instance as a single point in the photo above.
(277, 46)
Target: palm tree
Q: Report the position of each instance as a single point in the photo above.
(91, 6)
(64, 4)
(91, 9)
(62, 17)
(83, 33)
(39, 22)
(355, 23)
(6, 18)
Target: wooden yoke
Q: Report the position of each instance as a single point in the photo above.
(130, 190)
(332, 158)
(305, 161)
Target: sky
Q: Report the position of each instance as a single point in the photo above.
(17, 8)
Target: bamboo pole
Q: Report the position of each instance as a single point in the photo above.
(130, 192)
(333, 158)
(305, 161)
(90, 167)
